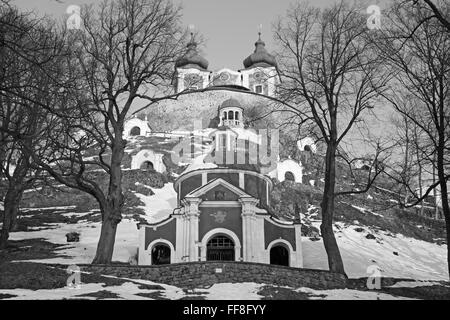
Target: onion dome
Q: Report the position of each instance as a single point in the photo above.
(230, 103)
(260, 57)
(191, 59)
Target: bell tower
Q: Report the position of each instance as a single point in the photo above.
(191, 70)
(261, 72)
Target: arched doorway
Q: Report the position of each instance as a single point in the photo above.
(288, 175)
(147, 165)
(279, 255)
(160, 254)
(135, 131)
(220, 248)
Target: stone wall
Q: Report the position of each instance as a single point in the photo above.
(198, 274)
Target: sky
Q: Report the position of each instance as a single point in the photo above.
(229, 27)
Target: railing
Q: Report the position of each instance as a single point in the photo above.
(231, 122)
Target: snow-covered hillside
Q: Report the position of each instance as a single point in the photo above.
(396, 255)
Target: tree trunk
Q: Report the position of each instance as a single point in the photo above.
(11, 205)
(335, 263)
(16, 186)
(112, 209)
(105, 247)
(444, 194)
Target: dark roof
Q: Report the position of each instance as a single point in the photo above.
(230, 103)
(260, 57)
(191, 59)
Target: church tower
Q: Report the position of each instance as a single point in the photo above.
(191, 70)
(260, 74)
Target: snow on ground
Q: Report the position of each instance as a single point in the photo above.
(416, 259)
(218, 291)
(232, 291)
(49, 208)
(364, 210)
(159, 206)
(349, 294)
(415, 284)
(78, 214)
(127, 290)
(84, 251)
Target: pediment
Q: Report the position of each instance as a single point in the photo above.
(218, 185)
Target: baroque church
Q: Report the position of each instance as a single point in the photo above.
(222, 208)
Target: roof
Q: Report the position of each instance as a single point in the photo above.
(260, 57)
(215, 182)
(191, 59)
(230, 103)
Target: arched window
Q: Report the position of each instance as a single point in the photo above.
(289, 176)
(236, 115)
(230, 115)
(220, 248)
(225, 115)
(307, 148)
(279, 255)
(135, 131)
(160, 254)
(147, 165)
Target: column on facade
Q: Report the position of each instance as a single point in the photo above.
(298, 246)
(192, 214)
(181, 238)
(248, 227)
(143, 253)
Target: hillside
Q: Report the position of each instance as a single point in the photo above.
(370, 228)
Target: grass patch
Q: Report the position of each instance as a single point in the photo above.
(103, 294)
(30, 249)
(280, 293)
(197, 297)
(150, 287)
(34, 276)
(434, 292)
(152, 295)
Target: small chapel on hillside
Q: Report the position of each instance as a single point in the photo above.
(222, 211)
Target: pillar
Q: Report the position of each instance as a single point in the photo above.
(193, 213)
(248, 230)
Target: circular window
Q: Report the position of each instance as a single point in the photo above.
(224, 76)
(258, 75)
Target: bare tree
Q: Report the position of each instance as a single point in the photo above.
(331, 73)
(437, 10)
(28, 48)
(417, 50)
(125, 51)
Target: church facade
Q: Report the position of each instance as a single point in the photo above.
(223, 211)
(221, 215)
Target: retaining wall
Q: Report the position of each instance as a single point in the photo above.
(206, 273)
